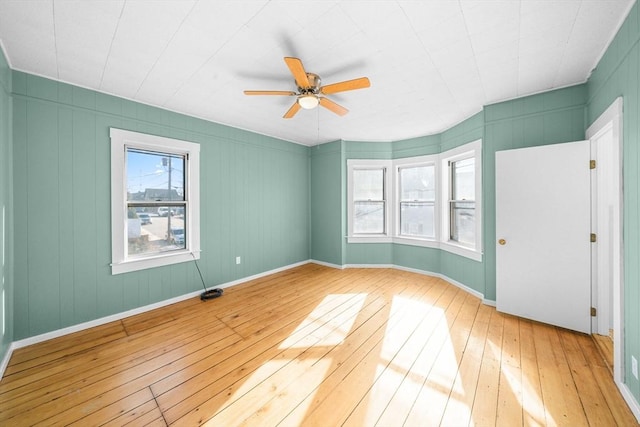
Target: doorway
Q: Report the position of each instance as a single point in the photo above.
(605, 136)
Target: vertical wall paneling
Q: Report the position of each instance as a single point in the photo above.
(66, 248)
(20, 246)
(254, 201)
(42, 201)
(326, 203)
(6, 209)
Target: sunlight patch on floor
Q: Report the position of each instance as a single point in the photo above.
(431, 373)
(327, 328)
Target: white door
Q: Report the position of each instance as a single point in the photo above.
(543, 251)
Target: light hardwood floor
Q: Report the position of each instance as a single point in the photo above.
(319, 347)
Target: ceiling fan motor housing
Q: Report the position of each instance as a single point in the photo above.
(314, 85)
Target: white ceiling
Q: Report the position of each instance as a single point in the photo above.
(431, 63)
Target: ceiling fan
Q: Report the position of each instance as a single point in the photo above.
(310, 90)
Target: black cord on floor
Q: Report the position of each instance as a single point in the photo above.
(207, 294)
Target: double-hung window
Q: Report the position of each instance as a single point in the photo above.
(368, 192)
(462, 205)
(461, 227)
(417, 201)
(155, 206)
(369, 201)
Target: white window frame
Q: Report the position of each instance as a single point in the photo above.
(415, 162)
(470, 150)
(120, 141)
(357, 164)
(441, 214)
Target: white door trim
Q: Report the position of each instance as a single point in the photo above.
(613, 117)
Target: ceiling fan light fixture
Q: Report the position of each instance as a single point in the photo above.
(308, 102)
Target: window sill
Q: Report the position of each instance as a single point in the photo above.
(462, 251)
(151, 262)
(374, 238)
(427, 243)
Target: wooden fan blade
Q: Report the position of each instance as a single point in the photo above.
(269, 92)
(297, 69)
(292, 111)
(360, 83)
(330, 105)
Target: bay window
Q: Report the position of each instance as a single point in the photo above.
(431, 201)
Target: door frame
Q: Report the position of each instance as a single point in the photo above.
(612, 118)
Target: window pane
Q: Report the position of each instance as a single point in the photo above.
(153, 176)
(463, 222)
(368, 184)
(417, 219)
(369, 218)
(463, 180)
(152, 230)
(417, 183)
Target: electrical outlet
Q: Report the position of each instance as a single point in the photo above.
(634, 366)
(238, 260)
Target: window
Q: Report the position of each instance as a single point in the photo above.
(417, 201)
(155, 201)
(432, 201)
(461, 189)
(462, 201)
(369, 203)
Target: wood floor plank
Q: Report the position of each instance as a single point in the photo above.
(533, 409)
(104, 353)
(202, 401)
(320, 380)
(34, 356)
(123, 358)
(259, 389)
(317, 346)
(200, 378)
(338, 387)
(485, 404)
(336, 407)
(108, 384)
(559, 399)
(593, 403)
(509, 410)
(460, 403)
(140, 415)
(453, 332)
(416, 329)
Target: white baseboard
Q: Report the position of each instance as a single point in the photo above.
(119, 316)
(6, 358)
(631, 401)
(426, 273)
(326, 264)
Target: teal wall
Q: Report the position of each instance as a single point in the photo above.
(254, 204)
(461, 269)
(617, 74)
(326, 203)
(6, 209)
(552, 117)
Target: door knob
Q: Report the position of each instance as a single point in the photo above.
(502, 242)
